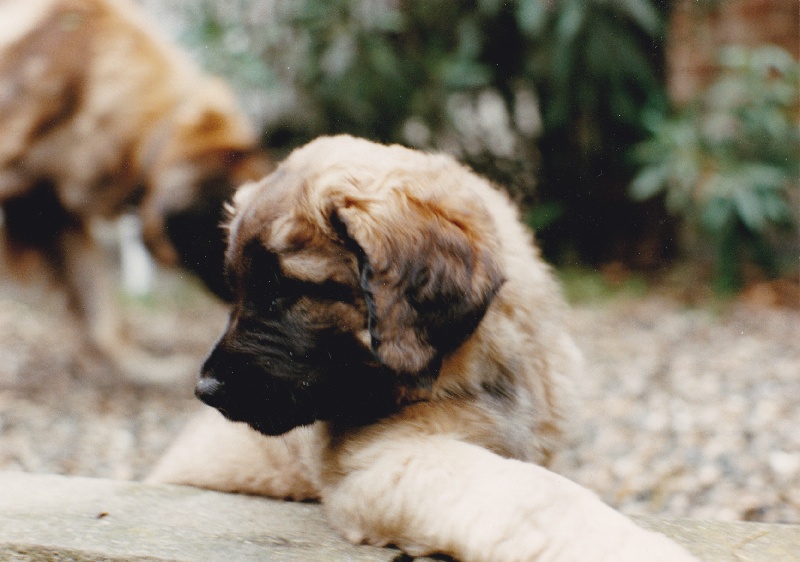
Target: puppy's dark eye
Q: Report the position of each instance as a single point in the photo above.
(267, 303)
(330, 291)
(263, 272)
(261, 281)
(268, 290)
(268, 295)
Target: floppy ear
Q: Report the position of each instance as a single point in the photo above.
(428, 272)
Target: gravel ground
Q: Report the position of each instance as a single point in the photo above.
(690, 412)
(687, 411)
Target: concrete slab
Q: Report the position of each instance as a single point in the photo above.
(721, 541)
(45, 517)
(58, 518)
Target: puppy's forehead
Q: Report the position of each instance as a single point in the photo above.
(295, 190)
(258, 210)
(285, 216)
(288, 212)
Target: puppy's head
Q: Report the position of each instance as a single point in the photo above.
(355, 269)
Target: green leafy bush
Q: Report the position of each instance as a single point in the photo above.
(416, 72)
(596, 66)
(544, 97)
(729, 162)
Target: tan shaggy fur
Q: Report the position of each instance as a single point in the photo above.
(108, 116)
(456, 468)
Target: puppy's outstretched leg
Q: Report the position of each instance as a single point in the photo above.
(217, 454)
(440, 495)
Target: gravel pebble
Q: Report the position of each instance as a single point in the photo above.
(686, 412)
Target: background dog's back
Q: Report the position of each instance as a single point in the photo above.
(99, 115)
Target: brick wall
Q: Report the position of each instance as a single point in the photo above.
(697, 30)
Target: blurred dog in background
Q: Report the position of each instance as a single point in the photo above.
(99, 116)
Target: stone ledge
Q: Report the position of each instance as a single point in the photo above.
(727, 541)
(58, 518)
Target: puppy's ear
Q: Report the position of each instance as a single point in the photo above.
(428, 271)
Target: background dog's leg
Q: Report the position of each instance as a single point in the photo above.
(435, 494)
(217, 454)
(91, 290)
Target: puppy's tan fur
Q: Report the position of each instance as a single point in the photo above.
(444, 471)
(108, 116)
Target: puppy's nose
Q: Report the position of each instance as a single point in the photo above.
(208, 389)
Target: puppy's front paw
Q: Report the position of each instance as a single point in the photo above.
(355, 533)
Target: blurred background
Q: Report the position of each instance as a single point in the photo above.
(633, 132)
(653, 145)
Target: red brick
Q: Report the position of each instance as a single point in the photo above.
(696, 34)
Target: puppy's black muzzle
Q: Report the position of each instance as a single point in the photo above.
(243, 392)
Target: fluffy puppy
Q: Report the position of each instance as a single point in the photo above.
(398, 344)
(98, 116)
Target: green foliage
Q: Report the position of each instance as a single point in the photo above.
(729, 161)
(582, 285)
(595, 65)
(525, 91)
(350, 76)
(590, 59)
(226, 46)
